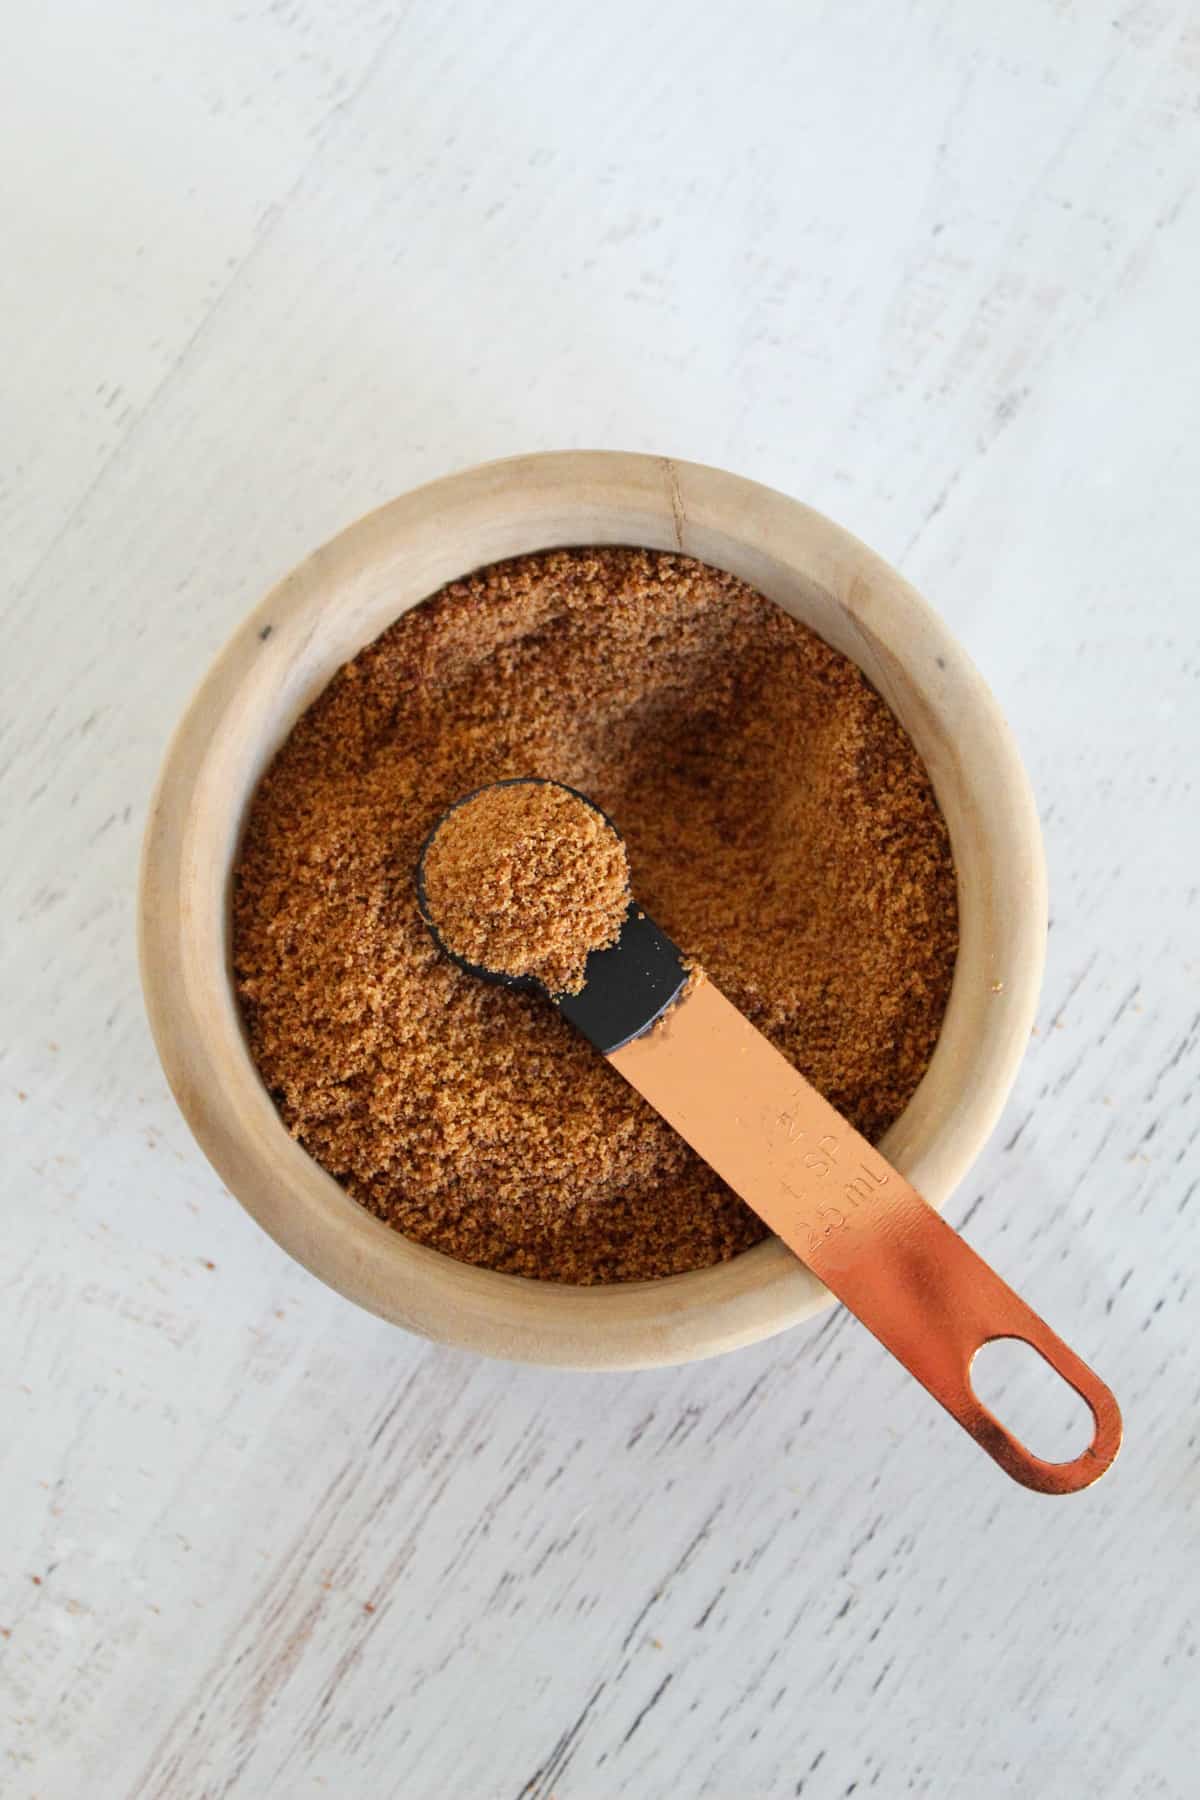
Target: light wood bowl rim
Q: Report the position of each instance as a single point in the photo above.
(286, 650)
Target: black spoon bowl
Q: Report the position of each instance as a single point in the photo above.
(626, 987)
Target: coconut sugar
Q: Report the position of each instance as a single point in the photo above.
(779, 826)
(525, 879)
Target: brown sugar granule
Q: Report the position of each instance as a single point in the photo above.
(527, 879)
(779, 825)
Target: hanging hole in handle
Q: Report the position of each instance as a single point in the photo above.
(1031, 1399)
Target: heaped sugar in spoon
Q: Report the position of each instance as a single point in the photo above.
(527, 883)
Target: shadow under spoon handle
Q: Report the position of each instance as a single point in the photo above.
(857, 1224)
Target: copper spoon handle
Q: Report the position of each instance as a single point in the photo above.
(855, 1222)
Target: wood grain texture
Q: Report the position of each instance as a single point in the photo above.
(931, 270)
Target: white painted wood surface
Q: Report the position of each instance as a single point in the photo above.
(933, 269)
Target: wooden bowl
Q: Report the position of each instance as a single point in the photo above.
(344, 595)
